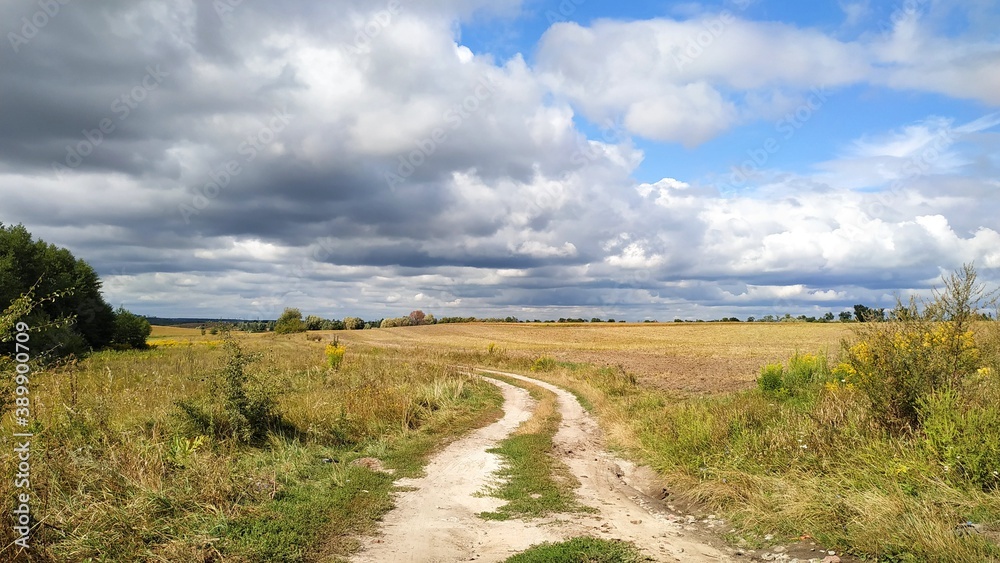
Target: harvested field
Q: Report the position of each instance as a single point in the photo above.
(695, 358)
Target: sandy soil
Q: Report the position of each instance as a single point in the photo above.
(435, 519)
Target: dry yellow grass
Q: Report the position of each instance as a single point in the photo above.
(688, 357)
(173, 331)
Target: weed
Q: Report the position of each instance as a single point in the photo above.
(543, 363)
(583, 549)
(334, 354)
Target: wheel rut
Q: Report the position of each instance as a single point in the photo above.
(435, 519)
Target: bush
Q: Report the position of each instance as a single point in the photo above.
(131, 330)
(921, 351)
(290, 321)
(248, 408)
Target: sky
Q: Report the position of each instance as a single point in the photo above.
(529, 158)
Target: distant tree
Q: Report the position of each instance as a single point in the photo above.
(417, 317)
(429, 319)
(750, 319)
(398, 321)
(131, 330)
(353, 323)
(845, 316)
(828, 317)
(290, 321)
(313, 322)
(330, 324)
(865, 314)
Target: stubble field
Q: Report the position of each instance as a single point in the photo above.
(695, 358)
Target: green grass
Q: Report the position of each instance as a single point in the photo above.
(342, 501)
(581, 550)
(533, 481)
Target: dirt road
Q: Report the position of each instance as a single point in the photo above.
(435, 521)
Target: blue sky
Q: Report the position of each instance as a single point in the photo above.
(638, 160)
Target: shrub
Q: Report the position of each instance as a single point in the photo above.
(900, 363)
(290, 321)
(131, 330)
(895, 364)
(248, 407)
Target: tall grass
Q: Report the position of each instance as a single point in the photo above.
(120, 471)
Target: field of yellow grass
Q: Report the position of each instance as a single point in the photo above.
(688, 357)
(173, 331)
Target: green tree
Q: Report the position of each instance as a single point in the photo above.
(290, 321)
(79, 318)
(131, 330)
(353, 323)
(314, 323)
(864, 314)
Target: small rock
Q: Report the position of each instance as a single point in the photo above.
(768, 537)
(780, 549)
(831, 559)
(831, 552)
(636, 521)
